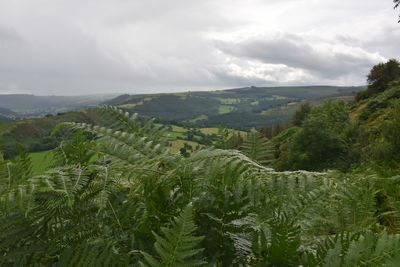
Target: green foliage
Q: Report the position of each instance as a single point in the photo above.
(279, 244)
(379, 78)
(178, 247)
(241, 108)
(228, 139)
(387, 147)
(257, 148)
(366, 249)
(301, 114)
(75, 150)
(137, 203)
(322, 141)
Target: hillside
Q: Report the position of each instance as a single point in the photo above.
(241, 108)
(373, 111)
(7, 115)
(23, 105)
(363, 134)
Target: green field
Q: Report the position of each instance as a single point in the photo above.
(176, 145)
(229, 100)
(223, 109)
(214, 130)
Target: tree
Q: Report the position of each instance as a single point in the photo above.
(301, 114)
(137, 203)
(321, 142)
(380, 76)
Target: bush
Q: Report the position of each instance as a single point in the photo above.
(322, 141)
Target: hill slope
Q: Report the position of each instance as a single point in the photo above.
(339, 136)
(236, 108)
(23, 105)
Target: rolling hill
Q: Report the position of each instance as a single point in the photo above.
(241, 108)
(24, 105)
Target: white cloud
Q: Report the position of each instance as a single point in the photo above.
(88, 46)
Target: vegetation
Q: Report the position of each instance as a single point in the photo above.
(139, 204)
(301, 114)
(336, 135)
(37, 134)
(243, 108)
(23, 106)
(124, 190)
(321, 142)
(380, 77)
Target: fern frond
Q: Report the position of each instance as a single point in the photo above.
(178, 246)
(95, 253)
(258, 148)
(279, 243)
(367, 249)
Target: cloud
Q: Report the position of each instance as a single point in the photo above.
(304, 53)
(9, 35)
(85, 46)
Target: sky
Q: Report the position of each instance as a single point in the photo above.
(72, 47)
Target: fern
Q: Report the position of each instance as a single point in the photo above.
(278, 244)
(95, 253)
(116, 208)
(178, 247)
(258, 148)
(367, 249)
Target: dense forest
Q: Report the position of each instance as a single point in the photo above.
(324, 192)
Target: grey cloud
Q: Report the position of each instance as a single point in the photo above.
(327, 59)
(86, 46)
(9, 35)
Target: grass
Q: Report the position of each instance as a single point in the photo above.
(255, 103)
(176, 135)
(209, 130)
(215, 130)
(223, 109)
(127, 106)
(41, 161)
(229, 100)
(178, 129)
(176, 145)
(177, 132)
(199, 118)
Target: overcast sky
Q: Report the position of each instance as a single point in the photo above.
(67, 47)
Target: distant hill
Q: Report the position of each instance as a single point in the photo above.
(241, 108)
(7, 115)
(24, 105)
